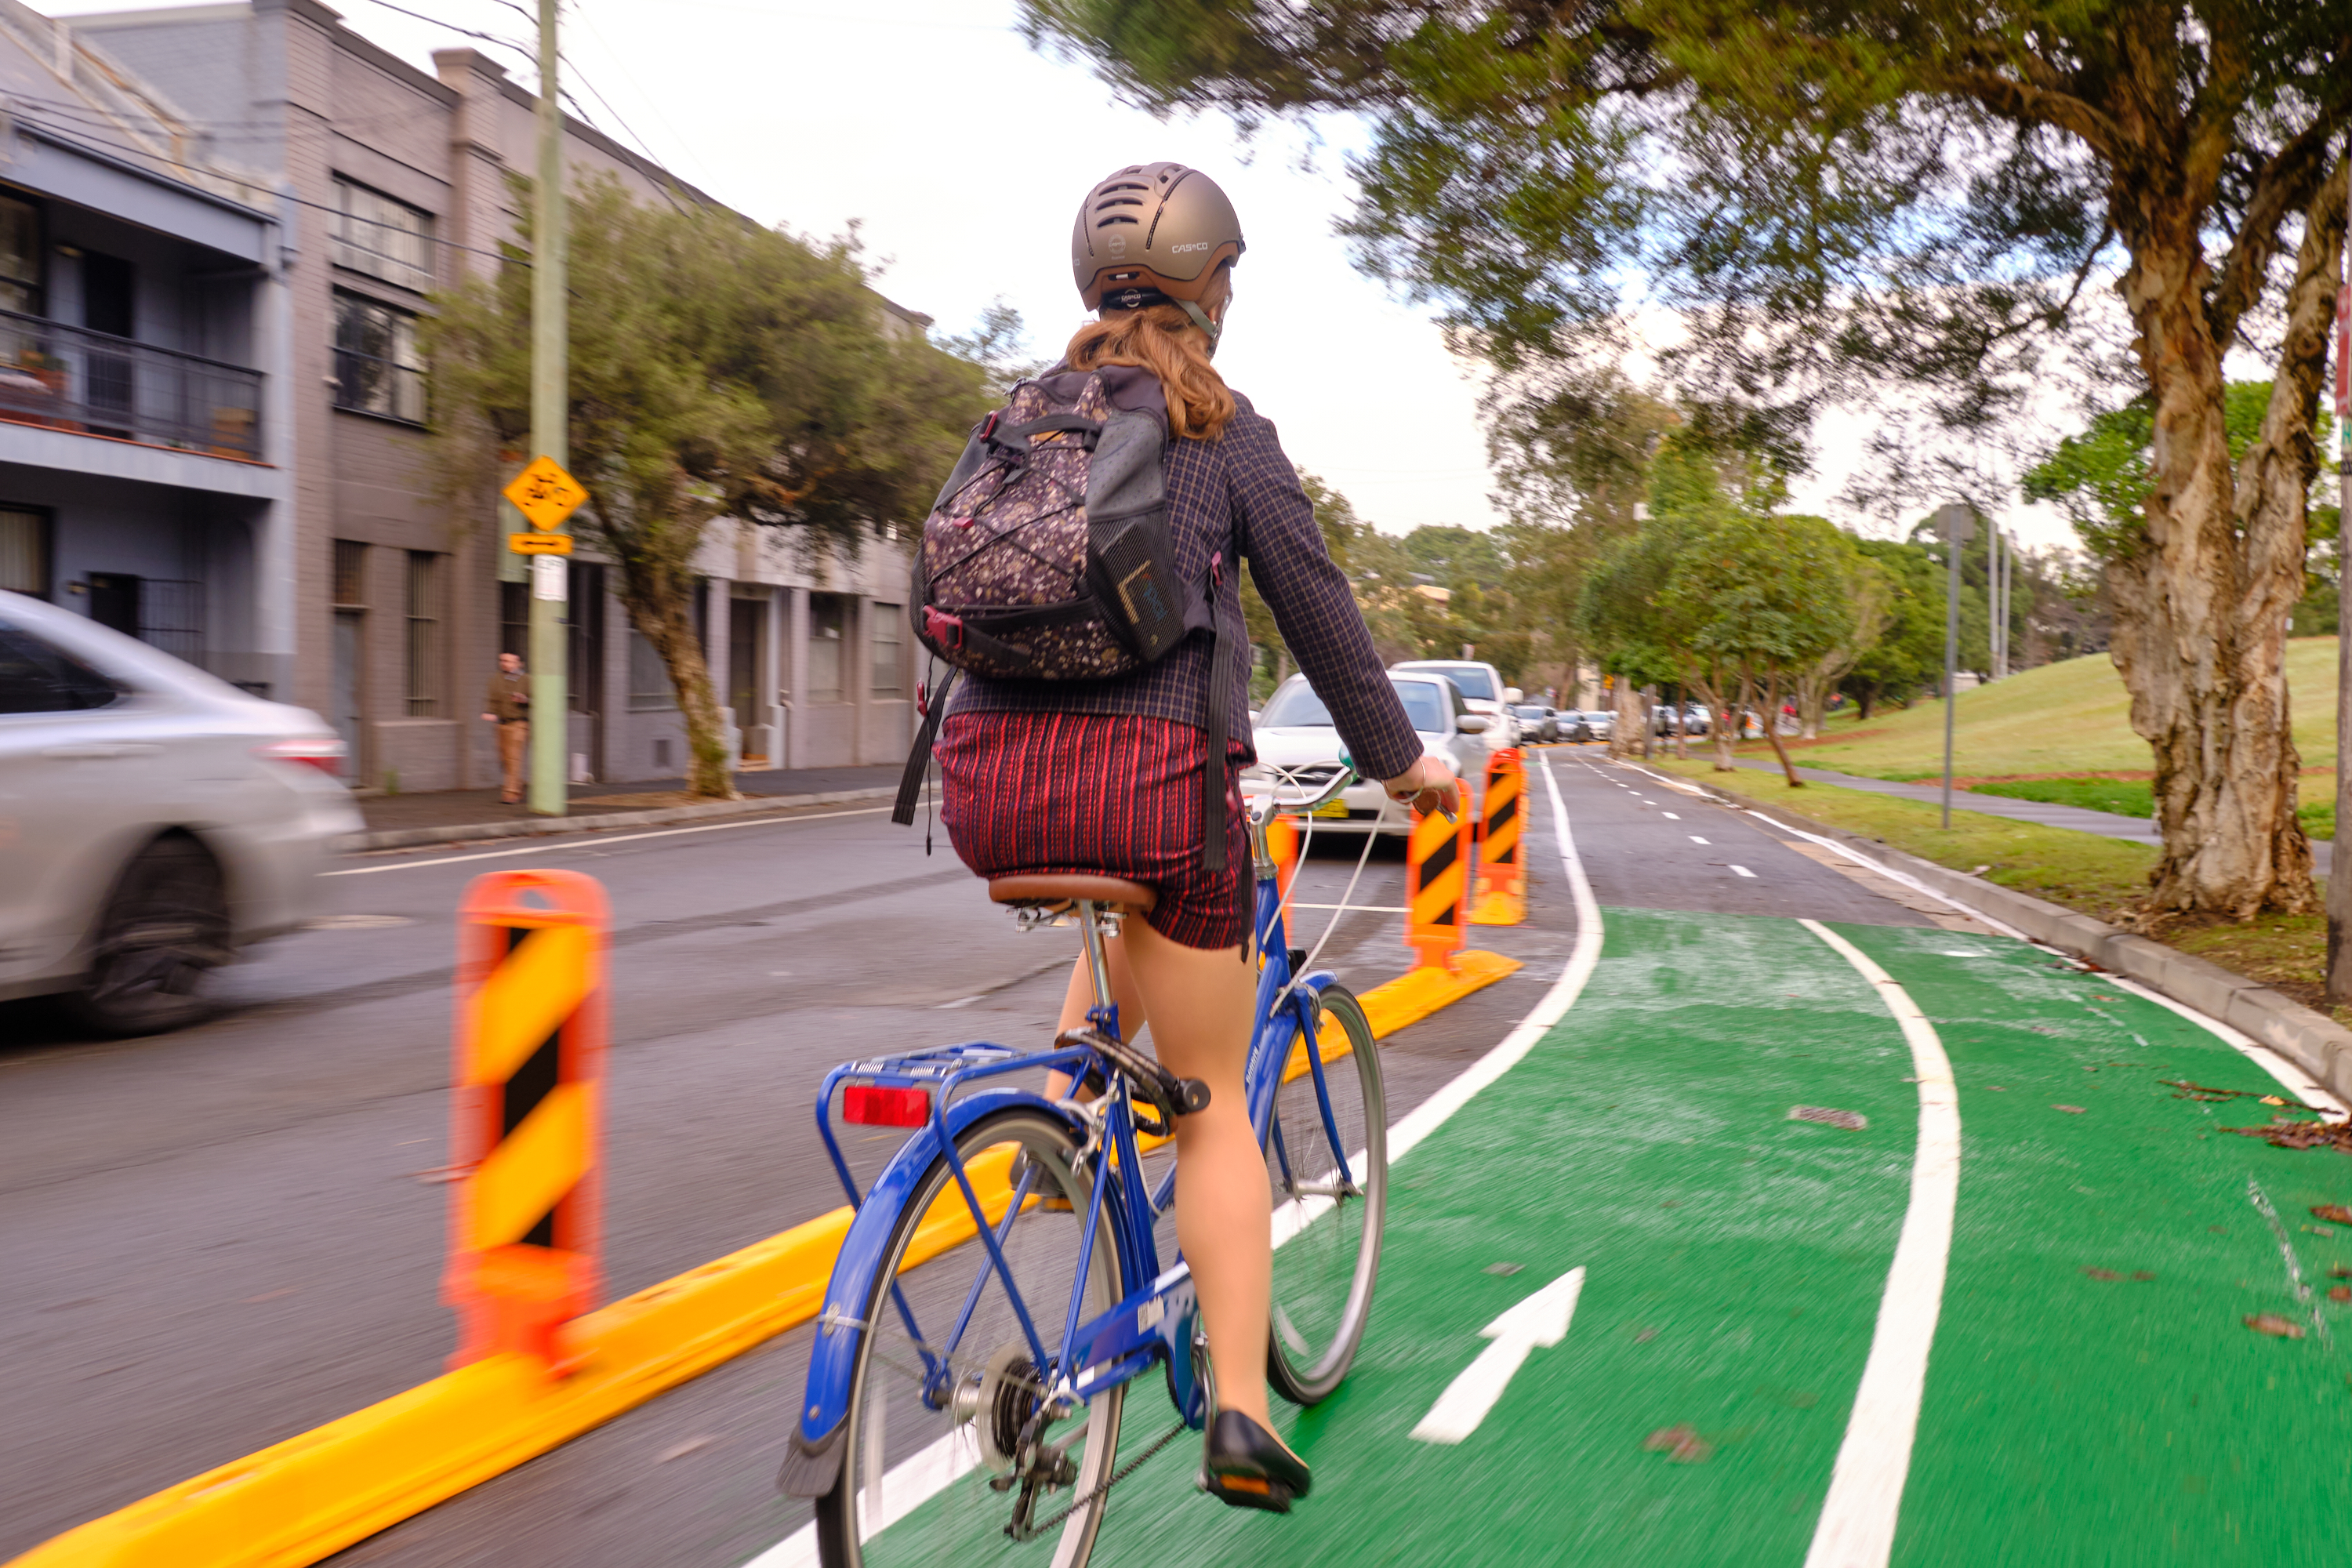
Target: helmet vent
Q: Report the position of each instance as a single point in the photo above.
(1116, 217)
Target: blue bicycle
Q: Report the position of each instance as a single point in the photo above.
(965, 1401)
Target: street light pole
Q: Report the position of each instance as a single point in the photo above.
(550, 707)
(1954, 521)
(2339, 878)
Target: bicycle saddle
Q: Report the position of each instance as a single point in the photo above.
(1069, 888)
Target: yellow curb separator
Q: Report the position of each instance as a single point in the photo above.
(313, 1495)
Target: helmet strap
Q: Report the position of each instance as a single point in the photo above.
(1201, 320)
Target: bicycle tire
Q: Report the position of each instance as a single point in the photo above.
(1327, 1255)
(922, 1469)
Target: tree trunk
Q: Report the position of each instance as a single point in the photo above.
(1772, 733)
(2201, 604)
(660, 607)
(1624, 734)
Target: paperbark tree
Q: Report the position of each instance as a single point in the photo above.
(1837, 197)
(717, 369)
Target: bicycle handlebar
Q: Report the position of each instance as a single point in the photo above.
(1344, 779)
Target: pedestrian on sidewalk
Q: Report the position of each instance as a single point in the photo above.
(508, 707)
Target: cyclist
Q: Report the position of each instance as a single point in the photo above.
(1104, 776)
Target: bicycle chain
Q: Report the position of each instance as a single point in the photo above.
(1128, 1469)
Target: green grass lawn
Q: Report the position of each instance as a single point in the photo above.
(2136, 797)
(2069, 718)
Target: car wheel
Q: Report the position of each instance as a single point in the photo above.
(162, 933)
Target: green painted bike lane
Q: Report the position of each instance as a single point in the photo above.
(1734, 1264)
(2094, 1395)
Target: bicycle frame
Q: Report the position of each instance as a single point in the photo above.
(1154, 1322)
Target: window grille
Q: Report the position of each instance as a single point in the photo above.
(377, 368)
(351, 574)
(424, 634)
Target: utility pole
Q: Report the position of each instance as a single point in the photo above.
(551, 705)
(1997, 649)
(1954, 521)
(2339, 878)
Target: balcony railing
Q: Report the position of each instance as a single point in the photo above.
(70, 378)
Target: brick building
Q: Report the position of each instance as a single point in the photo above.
(366, 183)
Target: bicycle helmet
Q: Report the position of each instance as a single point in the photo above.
(1154, 233)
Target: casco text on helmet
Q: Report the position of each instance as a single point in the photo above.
(1152, 232)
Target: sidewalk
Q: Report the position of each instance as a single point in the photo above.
(2045, 814)
(445, 809)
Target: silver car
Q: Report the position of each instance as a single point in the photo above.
(1295, 734)
(153, 820)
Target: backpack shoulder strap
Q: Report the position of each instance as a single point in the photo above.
(918, 755)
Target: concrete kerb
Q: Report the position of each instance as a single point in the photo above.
(537, 826)
(2310, 1041)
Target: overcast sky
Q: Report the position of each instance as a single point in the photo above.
(964, 152)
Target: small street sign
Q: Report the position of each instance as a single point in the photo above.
(544, 493)
(539, 544)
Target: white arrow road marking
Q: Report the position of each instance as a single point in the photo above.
(1540, 1319)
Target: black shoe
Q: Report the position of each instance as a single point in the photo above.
(1246, 1466)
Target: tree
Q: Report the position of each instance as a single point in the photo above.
(1838, 198)
(717, 369)
(1908, 655)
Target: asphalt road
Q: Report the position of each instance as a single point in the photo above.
(213, 1241)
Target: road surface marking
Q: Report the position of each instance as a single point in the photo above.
(916, 1480)
(1359, 909)
(1696, 839)
(1856, 1528)
(1742, 871)
(1539, 1321)
(597, 841)
(1671, 815)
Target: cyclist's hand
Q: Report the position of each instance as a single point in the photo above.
(1429, 785)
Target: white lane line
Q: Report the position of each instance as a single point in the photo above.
(1359, 909)
(2291, 1078)
(1742, 871)
(1696, 839)
(1671, 815)
(597, 841)
(936, 1467)
(1856, 1528)
(1432, 1113)
(1537, 1322)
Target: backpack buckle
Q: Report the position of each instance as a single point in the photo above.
(937, 628)
(1217, 570)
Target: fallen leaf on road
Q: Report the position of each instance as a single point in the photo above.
(2286, 1132)
(681, 1450)
(2102, 1273)
(2320, 1229)
(1646, 1336)
(2273, 1099)
(1998, 1089)
(1851, 1121)
(2069, 1109)
(2339, 1292)
(1504, 1269)
(2339, 1272)
(2272, 1323)
(2142, 1275)
(1680, 1443)
(2336, 1211)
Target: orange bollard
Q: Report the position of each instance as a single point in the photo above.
(1437, 861)
(524, 1215)
(1501, 876)
(1282, 845)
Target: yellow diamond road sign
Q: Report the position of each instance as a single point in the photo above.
(544, 493)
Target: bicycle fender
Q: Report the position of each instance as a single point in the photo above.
(813, 1459)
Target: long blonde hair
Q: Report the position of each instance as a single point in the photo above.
(1162, 340)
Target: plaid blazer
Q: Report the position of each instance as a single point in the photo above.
(1239, 495)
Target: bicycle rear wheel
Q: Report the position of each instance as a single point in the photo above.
(935, 1417)
(1331, 1198)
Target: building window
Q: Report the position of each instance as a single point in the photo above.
(514, 619)
(424, 634)
(828, 623)
(24, 552)
(382, 237)
(377, 367)
(882, 640)
(20, 256)
(351, 575)
(649, 686)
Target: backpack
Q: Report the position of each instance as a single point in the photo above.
(1047, 557)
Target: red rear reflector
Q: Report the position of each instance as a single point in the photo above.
(869, 1106)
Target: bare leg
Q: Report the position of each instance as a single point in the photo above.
(1199, 1002)
(1080, 997)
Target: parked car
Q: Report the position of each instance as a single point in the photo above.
(1696, 720)
(1295, 733)
(1572, 725)
(1602, 722)
(1537, 722)
(153, 820)
(1482, 685)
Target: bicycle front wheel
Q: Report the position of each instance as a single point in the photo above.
(947, 1379)
(1327, 1154)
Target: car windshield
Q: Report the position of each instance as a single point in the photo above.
(1598, 714)
(1298, 708)
(1470, 678)
(1530, 711)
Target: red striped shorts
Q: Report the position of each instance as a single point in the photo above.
(1114, 793)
